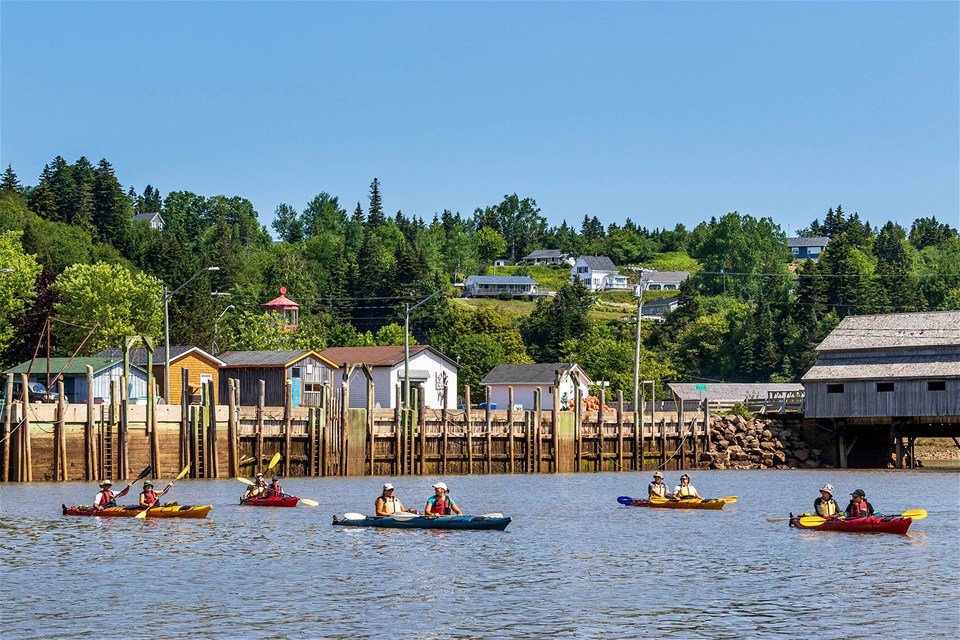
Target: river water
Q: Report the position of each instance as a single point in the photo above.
(573, 564)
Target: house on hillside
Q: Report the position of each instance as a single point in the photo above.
(433, 374)
(307, 371)
(665, 280)
(658, 309)
(803, 248)
(483, 286)
(545, 257)
(155, 220)
(202, 367)
(74, 372)
(598, 273)
(525, 378)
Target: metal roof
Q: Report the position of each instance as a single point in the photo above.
(379, 356)
(598, 263)
(77, 367)
(527, 280)
(544, 373)
(666, 276)
(139, 355)
(268, 359)
(894, 330)
(819, 241)
(543, 253)
(729, 391)
(902, 365)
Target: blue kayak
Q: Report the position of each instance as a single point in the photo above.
(426, 522)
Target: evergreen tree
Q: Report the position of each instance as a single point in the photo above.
(287, 223)
(358, 214)
(554, 321)
(901, 287)
(42, 200)
(111, 210)
(928, 232)
(323, 214)
(10, 181)
(375, 216)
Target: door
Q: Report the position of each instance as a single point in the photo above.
(295, 385)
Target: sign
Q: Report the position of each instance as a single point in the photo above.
(701, 387)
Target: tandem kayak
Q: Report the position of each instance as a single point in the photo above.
(130, 511)
(680, 504)
(426, 522)
(873, 524)
(277, 501)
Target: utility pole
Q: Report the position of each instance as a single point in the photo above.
(638, 290)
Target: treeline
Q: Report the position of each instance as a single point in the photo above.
(747, 313)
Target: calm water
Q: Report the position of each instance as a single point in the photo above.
(573, 564)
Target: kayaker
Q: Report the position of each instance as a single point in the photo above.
(858, 507)
(387, 505)
(275, 490)
(825, 506)
(686, 491)
(259, 487)
(441, 504)
(148, 496)
(657, 488)
(106, 497)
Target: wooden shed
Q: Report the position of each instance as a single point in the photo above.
(74, 373)
(203, 367)
(307, 371)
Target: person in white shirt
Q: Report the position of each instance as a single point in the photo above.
(106, 497)
(686, 491)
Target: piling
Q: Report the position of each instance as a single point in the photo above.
(287, 425)
(7, 427)
(469, 428)
(184, 420)
(233, 453)
(89, 443)
(261, 400)
(27, 466)
(214, 468)
(62, 432)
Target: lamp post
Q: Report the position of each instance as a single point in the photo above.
(406, 347)
(166, 329)
(213, 345)
(638, 290)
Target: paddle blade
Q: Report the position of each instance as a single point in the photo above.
(245, 481)
(625, 500)
(403, 516)
(143, 474)
(354, 516)
(186, 469)
(142, 515)
(776, 519)
(916, 514)
(728, 499)
(657, 499)
(812, 521)
(309, 502)
(491, 515)
(274, 460)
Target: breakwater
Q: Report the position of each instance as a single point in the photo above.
(758, 443)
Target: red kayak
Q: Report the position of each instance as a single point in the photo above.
(872, 524)
(277, 501)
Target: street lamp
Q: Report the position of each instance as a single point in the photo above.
(641, 286)
(406, 348)
(213, 345)
(6, 270)
(166, 329)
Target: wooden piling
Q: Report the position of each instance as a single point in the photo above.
(113, 420)
(124, 428)
(89, 442)
(620, 430)
(195, 465)
(234, 441)
(469, 419)
(185, 458)
(287, 425)
(212, 432)
(398, 463)
(488, 427)
(344, 425)
(371, 440)
(600, 434)
(511, 452)
(26, 466)
(7, 427)
(312, 441)
(422, 426)
(261, 400)
(152, 426)
(537, 431)
(62, 431)
(578, 426)
(663, 443)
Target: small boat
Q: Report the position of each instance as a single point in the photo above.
(130, 511)
(872, 524)
(495, 522)
(275, 501)
(714, 504)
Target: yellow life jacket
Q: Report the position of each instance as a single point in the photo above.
(686, 491)
(391, 504)
(826, 508)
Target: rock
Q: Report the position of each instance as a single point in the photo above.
(769, 446)
(766, 435)
(780, 457)
(801, 454)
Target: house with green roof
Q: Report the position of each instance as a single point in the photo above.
(74, 375)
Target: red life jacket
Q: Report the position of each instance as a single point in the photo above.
(106, 497)
(149, 498)
(275, 491)
(440, 508)
(858, 510)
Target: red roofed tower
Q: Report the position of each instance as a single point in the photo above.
(285, 310)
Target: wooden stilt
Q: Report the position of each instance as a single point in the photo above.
(537, 430)
(261, 400)
(287, 426)
(398, 435)
(233, 456)
(212, 434)
(7, 427)
(185, 449)
(488, 427)
(620, 430)
(26, 467)
(445, 428)
(469, 427)
(62, 422)
(89, 441)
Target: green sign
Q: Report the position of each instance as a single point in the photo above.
(701, 387)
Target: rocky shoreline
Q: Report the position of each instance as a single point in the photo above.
(758, 443)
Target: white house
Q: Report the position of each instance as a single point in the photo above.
(545, 256)
(598, 273)
(155, 220)
(74, 374)
(665, 280)
(525, 378)
(478, 286)
(434, 374)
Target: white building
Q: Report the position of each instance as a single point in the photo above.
(525, 378)
(598, 273)
(545, 257)
(431, 372)
(665, 280)
(478, 286)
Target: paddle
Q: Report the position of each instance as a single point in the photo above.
(916, 514)
(354, 516)
(812, 521)
(728, 499)
(273, 462)
(491, 515)
(143, 514)
(776, 519)
(403, 516)
(625, 500)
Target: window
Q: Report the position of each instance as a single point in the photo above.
(834, 388)
(936, 385)
(884, 387)
(295, 372)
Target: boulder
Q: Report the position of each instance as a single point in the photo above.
(801, 454)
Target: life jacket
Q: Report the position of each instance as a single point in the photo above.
(390, 504)
(440, 508)
(657, 489)
(825, 508)
(858, 510)
(274, 492)
(105, 498)
(149, 498)
(686, 491)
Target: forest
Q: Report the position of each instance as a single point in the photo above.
(71, 250)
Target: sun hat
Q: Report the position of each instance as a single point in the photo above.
(106, 483)
(259, 475)
(859, 492)
(388, 487)
(148, 482)
(440, 485)
(657, 474)
(828, 488)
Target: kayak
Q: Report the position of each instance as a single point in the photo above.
(872, 524)
(680, 504)
(277, 501)
(427, 522)
(130, 511)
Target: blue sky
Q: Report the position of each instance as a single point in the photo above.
(663, 112)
